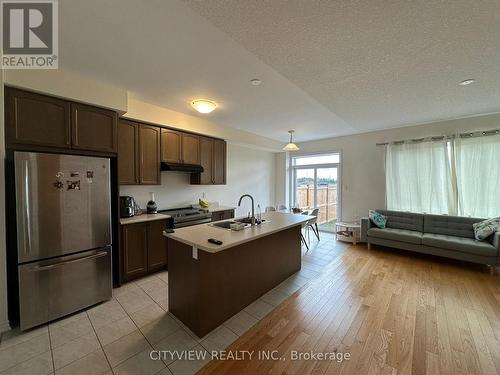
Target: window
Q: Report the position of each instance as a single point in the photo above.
(455, 177)
(315, 182)
(478, 176)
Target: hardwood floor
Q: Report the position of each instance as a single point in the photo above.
(392, 311)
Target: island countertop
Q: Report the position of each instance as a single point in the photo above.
(198, 235)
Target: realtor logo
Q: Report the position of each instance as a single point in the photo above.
(29, 34)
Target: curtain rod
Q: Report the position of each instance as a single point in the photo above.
(442, 137)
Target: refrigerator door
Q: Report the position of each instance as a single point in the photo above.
(53, 288)
(63, 204)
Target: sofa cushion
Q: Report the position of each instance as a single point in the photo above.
(486, 228)
(462, 244)
(404, 220)
(377, 218)
(402, 235)
(450, 225)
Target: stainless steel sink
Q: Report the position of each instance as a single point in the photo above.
(227, 224)
(248, 220)
(223, 224)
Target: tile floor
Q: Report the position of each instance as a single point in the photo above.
(117, 336)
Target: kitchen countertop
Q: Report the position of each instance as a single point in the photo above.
(142, 218)
(221, 208)
(198, 235)
(216, 208)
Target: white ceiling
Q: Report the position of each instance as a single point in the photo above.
(328, 67)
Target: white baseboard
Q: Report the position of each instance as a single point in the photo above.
(4, 326)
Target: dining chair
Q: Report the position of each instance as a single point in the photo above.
(304, 226)
(313, 223)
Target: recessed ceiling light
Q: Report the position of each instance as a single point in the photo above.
(255, 82)
(466, 82)
(203, 105)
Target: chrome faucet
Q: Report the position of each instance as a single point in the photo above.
(253, 207)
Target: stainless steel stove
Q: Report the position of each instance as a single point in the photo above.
(186, 216)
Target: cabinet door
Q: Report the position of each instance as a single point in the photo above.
(134, 250)
(36, 119)
(206, 161)
(219, 164)
(149, 155)
(219, 215)
(128, 152)
(190, 149)
(157, 245)
(93, 128)
(228, 214)
(171, 142)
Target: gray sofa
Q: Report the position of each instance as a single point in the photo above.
(446, 236)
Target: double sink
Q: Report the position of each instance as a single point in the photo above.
(227, 224)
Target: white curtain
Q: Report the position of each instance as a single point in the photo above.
(478, 175)
(419, 178)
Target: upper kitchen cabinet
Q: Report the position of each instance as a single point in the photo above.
(190, 149)
(219, 169)
(171, 145)
(149, 155)
(128, 153)
(93, 128)
(206, 161)
(36, 119)
(48, 122)
(213, 161)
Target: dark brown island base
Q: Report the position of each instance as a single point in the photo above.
(208, 284)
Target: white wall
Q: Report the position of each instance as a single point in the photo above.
(4, 323)
(363, 176)
(249, 171)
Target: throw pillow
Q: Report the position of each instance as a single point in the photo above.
(378, 219)
(486, 228)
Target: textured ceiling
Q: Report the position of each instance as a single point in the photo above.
(375, 63)
(328, 68)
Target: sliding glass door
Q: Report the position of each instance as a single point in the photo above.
(315, 182)
(326, 197)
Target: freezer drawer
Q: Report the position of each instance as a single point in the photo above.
(51, 289)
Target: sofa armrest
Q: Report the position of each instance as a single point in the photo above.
(496, 241)
(365, 225)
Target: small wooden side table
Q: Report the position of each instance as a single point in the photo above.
(348, 232)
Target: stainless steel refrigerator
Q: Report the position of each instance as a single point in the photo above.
(63, 234)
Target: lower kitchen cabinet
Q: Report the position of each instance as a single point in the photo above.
(222, 215)
(134, 249)
(157, 245)
(143, 249)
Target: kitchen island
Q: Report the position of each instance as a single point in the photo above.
(208, 283)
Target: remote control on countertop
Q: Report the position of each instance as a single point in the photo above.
(214, 241)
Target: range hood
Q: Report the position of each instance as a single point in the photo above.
(174, 167)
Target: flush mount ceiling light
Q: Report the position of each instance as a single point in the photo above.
(255, 82)
(291, 146)
(203, 105)
(466, 82)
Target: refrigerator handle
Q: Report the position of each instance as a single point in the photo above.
(93, 256)
(27, 218)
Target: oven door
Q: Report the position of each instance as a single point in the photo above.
(192, 222)
(53, 288)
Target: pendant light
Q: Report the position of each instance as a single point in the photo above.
(291, 146)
